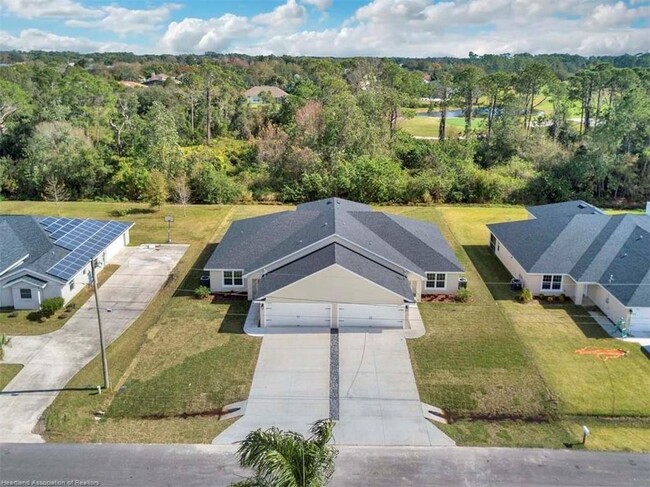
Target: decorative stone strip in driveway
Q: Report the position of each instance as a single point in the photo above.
(52, 360)
(334, 374)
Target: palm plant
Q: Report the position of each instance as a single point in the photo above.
(287, 459)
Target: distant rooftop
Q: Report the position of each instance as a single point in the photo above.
(273, 90)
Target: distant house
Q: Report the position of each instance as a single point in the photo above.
(575, 249)
(158, 80)
(334, 263)
(49, 257)
(254, 94)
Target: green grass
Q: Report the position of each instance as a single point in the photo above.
(27, 322)
(7, 373)
(70, 417)
(471, 362)
(584, 385)
(429, 126)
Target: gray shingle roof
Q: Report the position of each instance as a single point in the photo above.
(613, 251)
(566, 208)
(256, 242)
(330, 255)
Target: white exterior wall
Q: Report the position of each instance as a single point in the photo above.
(216, 284)
(640, 322)
(451, 284)
(335, 284)
(607, 303)
(19, 303)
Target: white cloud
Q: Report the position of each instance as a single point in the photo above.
(31, 9)
(124, 21)
(222, 33)
(34, 39)
(319, 4)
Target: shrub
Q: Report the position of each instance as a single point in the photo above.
(50, 306)
(549, 299)
(542, 296)
(42, 319)
(201, 292)
(13, 314)
(561, 298)
(525, 296)
(462, 296)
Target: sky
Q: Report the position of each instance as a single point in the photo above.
(410, 28)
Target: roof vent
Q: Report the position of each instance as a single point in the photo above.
(624, 255)
(581, 206)
(329, 202)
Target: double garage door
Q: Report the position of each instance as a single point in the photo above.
(329, 314)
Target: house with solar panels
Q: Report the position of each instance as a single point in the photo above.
(48, 257)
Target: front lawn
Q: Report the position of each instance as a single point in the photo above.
(27, 322)
(471, 362)
(7, 373)
(583, 384)
(168, 330)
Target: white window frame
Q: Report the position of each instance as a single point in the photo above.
(31, 294)
(436, 279)
(232, 277)
(552, 283)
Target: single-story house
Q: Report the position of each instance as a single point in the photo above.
(254, 94)
(574, 249)
(333, 263)
(49, 257)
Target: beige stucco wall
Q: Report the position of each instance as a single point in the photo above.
(336, 285)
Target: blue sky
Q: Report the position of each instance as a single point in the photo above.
(328, 27)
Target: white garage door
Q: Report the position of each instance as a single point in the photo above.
(381, 316)
(297, 314)
(640, 325)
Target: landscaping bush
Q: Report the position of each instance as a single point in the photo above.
(42, 319)
(542, 296)
(462, 296)
(50, 306)
(550, 299)
(201, 292)
(561, 298)
(13, 314)
(525, 296)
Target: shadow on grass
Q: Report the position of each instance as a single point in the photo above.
(234, 320)
(191, 279)
(585, 323)
(495, 276)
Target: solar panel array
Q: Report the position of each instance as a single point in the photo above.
(85, 239)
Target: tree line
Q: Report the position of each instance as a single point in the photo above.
(535, 129)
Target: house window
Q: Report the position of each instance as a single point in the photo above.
(25, 293)
(436, 280)
(233, 278)
(493, 242)
(551, 283)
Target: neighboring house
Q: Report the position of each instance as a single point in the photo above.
(48, 257)
(575, 249)
(158, 80)
(254, 94)
(334, 263)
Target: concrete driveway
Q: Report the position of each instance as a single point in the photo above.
(361, 377)
(290, 387)
(52, 360)
(379, 399)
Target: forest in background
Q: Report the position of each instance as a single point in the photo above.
(69, 129)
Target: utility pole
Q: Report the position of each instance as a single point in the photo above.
(107, 383)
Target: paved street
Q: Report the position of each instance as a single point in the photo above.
(52, 360)
(205, 465)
